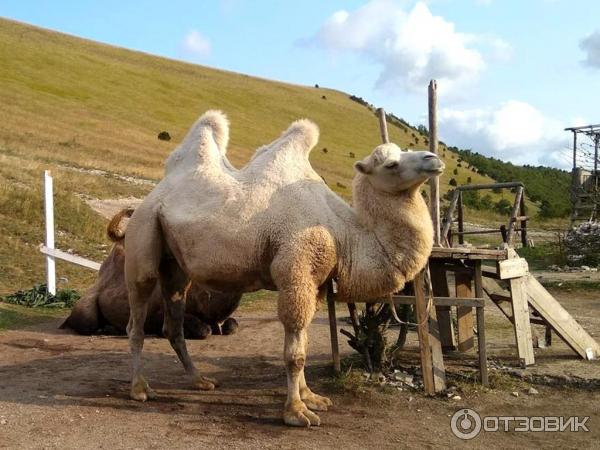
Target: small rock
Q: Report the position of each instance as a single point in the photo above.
(457, 397)
(515, 394)
(410, 399)
(533, 391)
(3, 422)
(586, 268)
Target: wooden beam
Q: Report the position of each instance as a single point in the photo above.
(521, 322)
(471, 302)
(464, 314)
(560, 320)
(56, 253)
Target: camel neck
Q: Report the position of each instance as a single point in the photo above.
(394, 242)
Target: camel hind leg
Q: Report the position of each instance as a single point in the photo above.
(138, 295)
(174, 285)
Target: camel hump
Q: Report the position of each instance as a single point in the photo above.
(302, 135)
(114, 230)
(218, 123)
(205, 144)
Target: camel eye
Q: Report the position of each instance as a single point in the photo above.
(392, 165)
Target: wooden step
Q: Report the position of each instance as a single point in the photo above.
(560, 320)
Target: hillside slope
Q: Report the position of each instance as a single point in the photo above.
(76, 106)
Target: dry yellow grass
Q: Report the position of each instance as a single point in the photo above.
(71, 103)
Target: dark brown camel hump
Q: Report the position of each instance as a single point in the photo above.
(113, 230)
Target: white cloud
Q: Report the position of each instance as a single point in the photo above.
(591, 46)
(412, 47)
(196, 45)
(512, 131)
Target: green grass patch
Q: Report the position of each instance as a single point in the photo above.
(15, 316)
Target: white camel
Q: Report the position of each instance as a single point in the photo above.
(273, 225)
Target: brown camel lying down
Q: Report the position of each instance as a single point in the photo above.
(104, 308)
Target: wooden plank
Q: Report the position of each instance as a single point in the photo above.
(471, 302)
(521, 322)
(560, 320)
(439, 280)
(423, 333)
(56, 253)
(335, 349)
(464, 314)
(513, 268)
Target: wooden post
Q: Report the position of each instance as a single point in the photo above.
(335, 349)
(464, 314)
(523, 222)
(460, 219)
(423, 332)
(49, 212)
(513, 216)
(574, 150)
(478, 282)
(385, 138)
(448, 218)
(434, 182)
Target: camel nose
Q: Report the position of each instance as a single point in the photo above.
(429, 155)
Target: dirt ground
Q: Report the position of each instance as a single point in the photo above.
(59, 390)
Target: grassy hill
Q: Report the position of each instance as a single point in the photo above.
(91, 113)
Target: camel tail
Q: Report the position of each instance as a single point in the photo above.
(114, 230)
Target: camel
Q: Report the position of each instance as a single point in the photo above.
(104, 308)
(273, 225)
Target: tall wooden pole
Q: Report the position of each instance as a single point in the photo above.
(383, 126)
(434, 182)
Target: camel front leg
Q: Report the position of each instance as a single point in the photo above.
(311, 400)
(296, 412)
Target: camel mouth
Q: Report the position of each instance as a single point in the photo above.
(436, 171)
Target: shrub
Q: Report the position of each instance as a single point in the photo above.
(452, 182)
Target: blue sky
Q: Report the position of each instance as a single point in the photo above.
(512, 74)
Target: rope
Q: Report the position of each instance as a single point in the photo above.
(429, 289)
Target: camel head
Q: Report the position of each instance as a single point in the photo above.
(392, 170)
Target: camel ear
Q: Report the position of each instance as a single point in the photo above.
(362, 167)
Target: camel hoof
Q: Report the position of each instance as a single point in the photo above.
(205, 383)
(298, 415)
(316, 402)
(141, 391)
